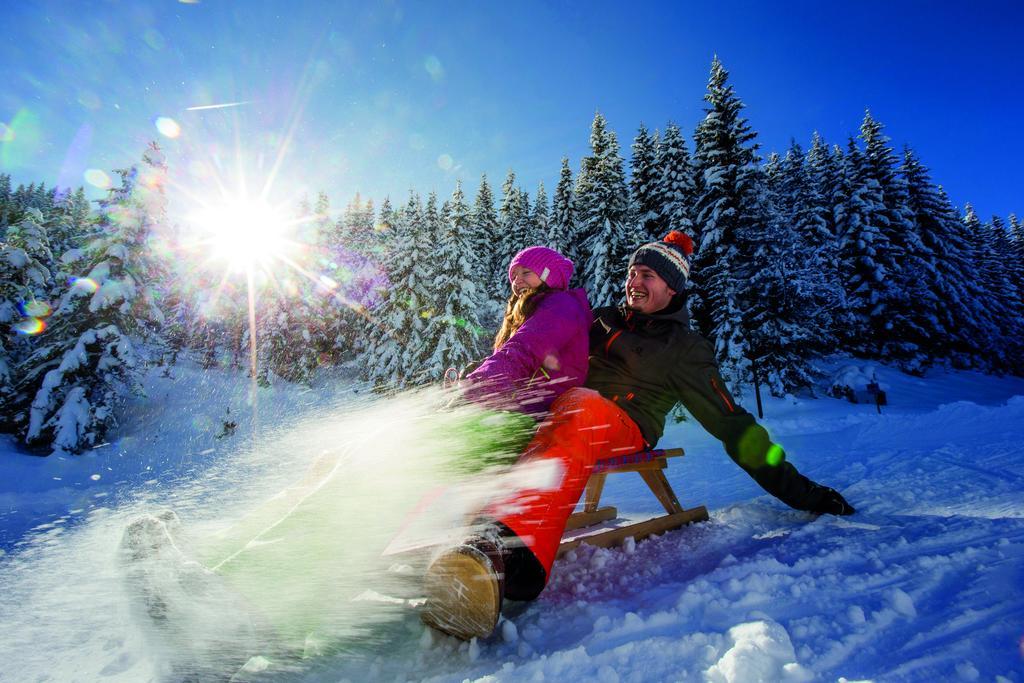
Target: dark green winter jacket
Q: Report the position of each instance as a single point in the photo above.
(648, 363)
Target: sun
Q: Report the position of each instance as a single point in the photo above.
(247, 234)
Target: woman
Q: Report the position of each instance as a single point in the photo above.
(541, 347)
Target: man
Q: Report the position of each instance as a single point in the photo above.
(644, 358)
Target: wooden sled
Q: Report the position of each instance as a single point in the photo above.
(650, 465)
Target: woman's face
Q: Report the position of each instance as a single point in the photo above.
(524, 279)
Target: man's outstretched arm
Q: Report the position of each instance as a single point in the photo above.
(703, 393)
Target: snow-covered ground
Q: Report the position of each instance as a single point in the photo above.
(925, 582)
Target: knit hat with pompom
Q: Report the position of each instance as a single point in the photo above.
(669, 258)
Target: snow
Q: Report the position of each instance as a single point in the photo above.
(924, 583)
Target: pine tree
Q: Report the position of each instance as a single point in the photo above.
(541, 217)
(397, 324)
(25, 284)
(1015, 271)
(511, 224)
(909, 305)
(603, 202)
(452, 334)
(780, 313)
(675, 188)
(958, 320)
(985, 277)
(91, 357)
(999, 269)
(804, 212)
(25, 257)
(327, 234)
(70, 223)
(787, 301)
(863, 257)
(730, 214)
(487, 233)
(525, 227)
(6, 201)
(644, 184)
(563, 234)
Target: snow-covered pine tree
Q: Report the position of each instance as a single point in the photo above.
(998, 267)
(541, 217)
(444, 215)
(730, 216)
(675, 185)
(511, 230)
(487, 235)
(779, 309)
(414, 369)
(644, 181)
(357, 277)
(383, 236)
(822, 165)
(911, 307)
(69, 222)
(92, 355)
(385, 220)
(1015, 269)
(397, 324)
(326, 234)
(563, 233)
(452, 334)
(6, 201)
(1015, 229)
(982, 272)
(602, 200)
(25, 285)
(803, 209)
(959, 319)
(25, 260)
(863, 257)
(524, 222)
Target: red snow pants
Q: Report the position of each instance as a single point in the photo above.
(583, 426)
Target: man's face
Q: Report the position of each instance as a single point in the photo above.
(646, 292)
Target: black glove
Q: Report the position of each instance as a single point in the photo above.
(827, 501)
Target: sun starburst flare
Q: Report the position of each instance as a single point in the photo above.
(246, 234)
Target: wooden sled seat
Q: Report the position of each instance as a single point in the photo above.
(650, 464)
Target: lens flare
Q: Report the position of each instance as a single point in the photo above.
(445, 162)
(97, 178)
(23, 138)
(6, 132)
(84, 284)
(30, 326)
(168, 127)
(74, 159)
(244, 232)
(154, 39)
(434, 68)
(34, 309)
(774, 456)
(417, 141)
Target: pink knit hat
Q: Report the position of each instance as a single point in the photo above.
(552, 268)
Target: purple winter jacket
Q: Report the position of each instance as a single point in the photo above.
(541, 360)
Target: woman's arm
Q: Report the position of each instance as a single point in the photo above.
(557, 319)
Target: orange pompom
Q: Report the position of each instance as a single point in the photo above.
(681, 240)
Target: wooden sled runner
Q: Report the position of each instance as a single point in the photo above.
(650, 465)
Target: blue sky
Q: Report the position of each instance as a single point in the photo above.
(383, 97)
